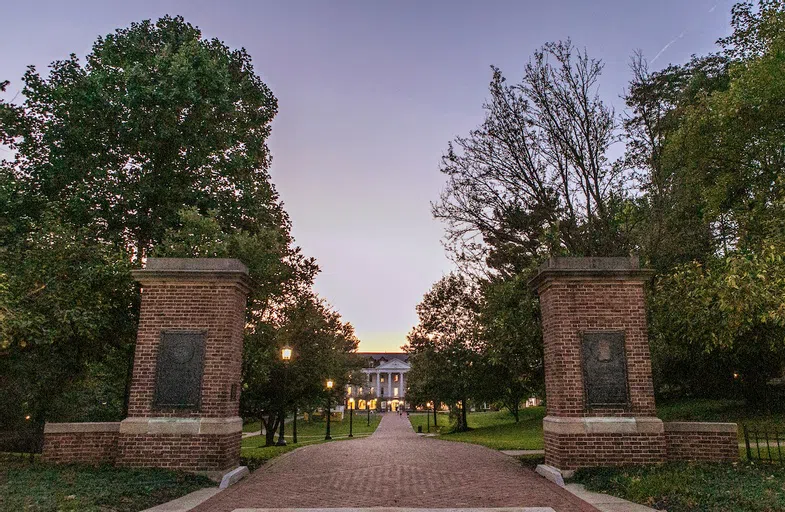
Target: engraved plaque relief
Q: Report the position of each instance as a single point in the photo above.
(178, 375)
(604, 369)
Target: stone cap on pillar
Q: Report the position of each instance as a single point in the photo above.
(194, 269)
(592, 268)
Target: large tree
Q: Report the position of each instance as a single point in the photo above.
(445, 345)
(156, 119)
(512, 348)
(156, 143)
(536, 176)
(323, 347)
(710, 140)
(671, 224)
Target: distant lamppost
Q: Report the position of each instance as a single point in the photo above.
(286, 355)
(351, 411)
(329, 390)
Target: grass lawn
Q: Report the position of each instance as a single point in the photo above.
(36, 486)
(496, 430)
(426, 421)
(682, 487)
(253, 426)
(254, 453)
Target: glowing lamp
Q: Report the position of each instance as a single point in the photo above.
(329, 384)
(286, 353)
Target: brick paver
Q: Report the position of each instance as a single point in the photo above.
(395, 468)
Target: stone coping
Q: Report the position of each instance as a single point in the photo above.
(181, 426)
(591, 263)
(194, 270)
(196, 264)
(78, 428)
(700, 426)
(602, 425)
(570, 268)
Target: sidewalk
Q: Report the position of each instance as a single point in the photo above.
(395, 468)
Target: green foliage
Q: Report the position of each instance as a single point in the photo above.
(70, 308)
(155, 146)
(323, 347)
(444, 347)
(43, 487)
(708, 137)
(733, 307)
(669, 219)
(157, 119)
(682, 487)
(512, 343)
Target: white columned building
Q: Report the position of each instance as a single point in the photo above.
(384, 382)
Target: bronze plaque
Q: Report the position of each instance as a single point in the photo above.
(178, 376)
(605, 369)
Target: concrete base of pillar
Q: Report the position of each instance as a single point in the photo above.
(576, 442)
(189, 444)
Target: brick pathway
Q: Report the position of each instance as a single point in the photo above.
(394, 468)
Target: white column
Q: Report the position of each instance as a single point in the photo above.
(403, 388)
(389, 385)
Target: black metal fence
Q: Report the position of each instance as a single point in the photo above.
(764, 444)
(28, 438)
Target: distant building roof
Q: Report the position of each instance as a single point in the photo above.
(380, 357)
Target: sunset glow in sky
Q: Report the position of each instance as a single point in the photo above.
(370, 93)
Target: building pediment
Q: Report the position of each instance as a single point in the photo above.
(393, 364)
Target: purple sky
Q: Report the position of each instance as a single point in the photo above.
(370, 93)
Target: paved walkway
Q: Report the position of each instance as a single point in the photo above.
(394, 468)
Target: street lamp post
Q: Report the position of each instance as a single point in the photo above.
(327, 437)
(351, 411)
(286, 355)
(294, 426)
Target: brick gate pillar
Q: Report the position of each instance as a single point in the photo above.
(185, 391)
(598, 382)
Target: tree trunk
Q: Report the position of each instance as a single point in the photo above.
(463, 415)
(270, 426)
(435, 424)
(516, 410)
